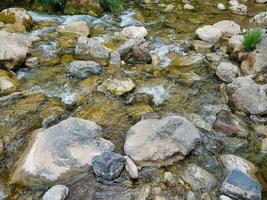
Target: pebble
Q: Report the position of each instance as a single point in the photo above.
(220, 6)
(188, 7)
(131, 168)
(57, 192)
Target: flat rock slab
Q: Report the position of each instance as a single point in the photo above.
(155, 140)
(240, 186)
(56, 151)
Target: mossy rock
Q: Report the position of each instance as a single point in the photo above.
(91, 7)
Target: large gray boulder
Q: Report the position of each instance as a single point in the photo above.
(246, 95)
(228, 28)
(158, 140)
(60, 150)
(13, 49)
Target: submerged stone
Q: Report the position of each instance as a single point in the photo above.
(83, 69)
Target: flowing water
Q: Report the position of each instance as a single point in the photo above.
(192, 91)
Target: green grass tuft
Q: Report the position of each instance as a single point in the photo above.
(251, 39)
(114, 6)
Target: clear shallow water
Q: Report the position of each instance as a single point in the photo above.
(185, 91)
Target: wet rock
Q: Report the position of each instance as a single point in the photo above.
(118, 84)
(135, 51)
(189, 7)
(260, 19)
(60, 150)
(198, 178)
(155, 140)
(226, 124)
(198, 121)
(13, 49)
(201, 46)
(222, 197)
(92, 48)
(209, 33)
(133, 32)
(240, 186)
(108, 165)
(221, 6)
(228, 28)
(8, 82)
(264, 145)
(235, 44)
(256, 61)
(239, 9)
(15, 19)
(227, 72)
(131, 168)
(57, 192)
(246, 95)
(83, 69)
(233, 162)
(191, 59)
(32, 62)
(79, 28)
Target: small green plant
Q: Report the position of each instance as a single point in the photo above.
(114, 6)
(251, 39)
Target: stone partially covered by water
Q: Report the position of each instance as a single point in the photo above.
(55, 151)
(83, 69)
(159, 140)
(240, 186)
(108, 165)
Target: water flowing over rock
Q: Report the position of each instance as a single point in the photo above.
(240, 186)
(83, 69)
(155, 140)
(247, 95)
(198, 178)
(15, 19)
(79, 28)
(227, 72)
(118, 84)
(57, 192)
(55, 151)
(13, 49)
